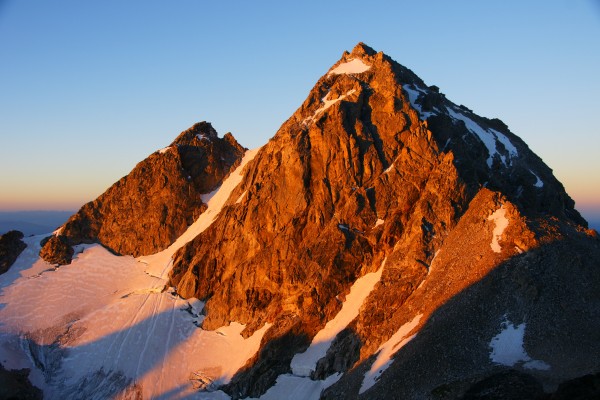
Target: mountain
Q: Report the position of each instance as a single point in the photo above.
(145, 211)
(385, 243)
(466, 230)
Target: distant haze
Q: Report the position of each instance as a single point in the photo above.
(32, 222)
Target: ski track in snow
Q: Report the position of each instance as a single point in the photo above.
(110, 315)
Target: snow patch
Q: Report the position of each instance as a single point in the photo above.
(164, 150)
(539, 183)
(512, 150)
(354, 66)
(431, 263)
(239, 200)
(507, 348)
(291, 387)
(304, 363)
(487, 137)
(414, 92)
(327, 104)
(499, 218)
(379, 222)
(386, 352)
(202, 137)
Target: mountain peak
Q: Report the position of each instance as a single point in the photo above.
(361, 49)
(386, 241)
(202, 131)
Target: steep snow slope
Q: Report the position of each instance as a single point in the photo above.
(104, 326)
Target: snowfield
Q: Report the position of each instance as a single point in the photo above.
(355, 66)
(106, 326)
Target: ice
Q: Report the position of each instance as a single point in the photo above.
(354, 66)
(304, 363)
(386, 352)
(501, 222)
(507, 348)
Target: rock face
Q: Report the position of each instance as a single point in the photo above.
(11, 246)
(473, 232)
(15, 384)
(148, 209)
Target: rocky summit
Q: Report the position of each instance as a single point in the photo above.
(386, 243)
(469, 231)
(145, 211)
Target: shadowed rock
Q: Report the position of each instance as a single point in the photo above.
(11, 246)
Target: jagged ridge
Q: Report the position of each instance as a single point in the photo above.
(145, 211)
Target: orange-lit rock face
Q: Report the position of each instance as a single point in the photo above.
(384, 233)
(148, 209)
(374, 164)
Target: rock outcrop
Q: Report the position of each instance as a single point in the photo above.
(145, 211)
(15, 384)
(11, 246)
(378, 170)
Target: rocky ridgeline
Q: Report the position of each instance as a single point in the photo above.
(375, 165)
(145, 211)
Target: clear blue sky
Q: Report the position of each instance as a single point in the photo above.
(90, 88)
